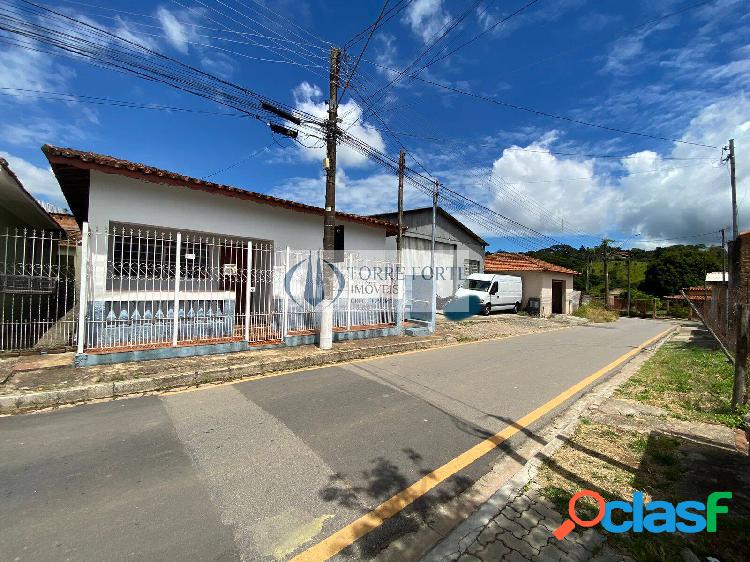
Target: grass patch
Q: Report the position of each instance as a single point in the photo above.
(596, 312)
(690, 382)
(615, 463)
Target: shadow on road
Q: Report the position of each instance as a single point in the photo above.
(383, 480)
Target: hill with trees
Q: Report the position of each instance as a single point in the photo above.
(658, 272)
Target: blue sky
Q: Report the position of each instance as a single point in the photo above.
(683, 77)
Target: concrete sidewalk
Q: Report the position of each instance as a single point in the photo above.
(40, 381)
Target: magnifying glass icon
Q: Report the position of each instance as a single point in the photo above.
(569, 524)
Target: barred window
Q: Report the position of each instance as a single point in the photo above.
(471, 266)
(152, 255)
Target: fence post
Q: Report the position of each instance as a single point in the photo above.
(178, 263)
(248, 288)
(285, 319)
(349, 293)
(739, 388)
(82, 304)
(654, 314)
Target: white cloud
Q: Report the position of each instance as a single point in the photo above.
(309, 98)
(376, 193)
(32, 132)
(40, 182)
(177, 33)
(645, 193)
(31, 70)
(426, 18)
(386, 55)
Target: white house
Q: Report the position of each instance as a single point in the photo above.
(551, 284)
(161, 242)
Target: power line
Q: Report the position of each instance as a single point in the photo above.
(686, 237)
(238, 162)
(60, 96)
(122, 55)
(374, 28)
(559, 117)
(481, 34)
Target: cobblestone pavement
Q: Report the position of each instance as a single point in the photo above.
(522, 530)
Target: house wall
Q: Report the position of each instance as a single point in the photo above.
(126, 200)
(420, 225)
(118, 200)
(539, 284)
(452, 247)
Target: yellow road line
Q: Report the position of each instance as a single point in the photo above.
(370, 521)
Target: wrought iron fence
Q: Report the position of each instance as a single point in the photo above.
(38, 291)
(133, 287)
(153, 288)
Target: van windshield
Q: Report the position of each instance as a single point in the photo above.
(476, 285)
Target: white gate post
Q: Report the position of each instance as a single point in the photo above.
(248, 288)
(82, 304)
(285, 319)
(349, 293)
(176, 325)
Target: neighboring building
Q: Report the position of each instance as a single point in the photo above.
(458, 250)
(18, 208)
(551, 284)
(233, 274)
(37, 271)
(717, 277)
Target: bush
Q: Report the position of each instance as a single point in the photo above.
(596, 312)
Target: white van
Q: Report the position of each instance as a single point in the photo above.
(495, 292)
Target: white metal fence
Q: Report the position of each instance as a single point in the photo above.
(153, 288)
(364, 290)
(135, 287)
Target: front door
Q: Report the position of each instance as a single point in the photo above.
(233, 273)
(558, 294)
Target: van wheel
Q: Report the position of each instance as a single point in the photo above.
(516, 308)
(486, 309)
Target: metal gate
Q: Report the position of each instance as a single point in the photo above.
(38, 291)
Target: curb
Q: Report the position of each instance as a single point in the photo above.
(28, 402)
(468, 530)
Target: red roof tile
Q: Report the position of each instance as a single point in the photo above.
(112, 165)
(505, 261)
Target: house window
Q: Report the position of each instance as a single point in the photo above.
(150, 255)
(471, 266)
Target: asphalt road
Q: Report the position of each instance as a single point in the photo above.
(264, 469)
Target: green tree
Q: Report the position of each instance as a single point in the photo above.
(676, 267)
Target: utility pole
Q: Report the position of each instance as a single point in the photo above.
(588, 267)
(733, 179)
(628, 260)
(606, 273)
(399, 235)
(400, 241)
(725, 280)
(329, 216)
(433, 297)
